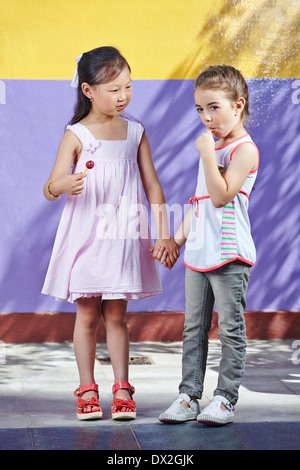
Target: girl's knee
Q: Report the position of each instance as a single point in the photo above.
(116, 318)
(88, 311)
(114, 312)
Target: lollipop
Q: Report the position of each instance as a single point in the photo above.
(89, 165)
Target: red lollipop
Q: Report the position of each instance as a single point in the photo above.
(89, 165)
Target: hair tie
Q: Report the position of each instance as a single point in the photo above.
(75, 80)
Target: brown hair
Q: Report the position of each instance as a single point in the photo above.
(227, 79)
(100, 65)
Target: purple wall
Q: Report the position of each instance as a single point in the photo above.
(31, 125)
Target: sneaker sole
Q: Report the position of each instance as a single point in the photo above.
(173, 420)
(213, 421)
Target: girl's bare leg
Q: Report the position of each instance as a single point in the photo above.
(114, 316)
(85, 341)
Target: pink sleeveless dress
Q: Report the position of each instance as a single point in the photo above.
(103, 238)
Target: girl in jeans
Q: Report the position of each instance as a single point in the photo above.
(219, 248)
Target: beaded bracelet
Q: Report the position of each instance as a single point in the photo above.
(49, 191)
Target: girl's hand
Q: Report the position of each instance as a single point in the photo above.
(205, 143)
(61, 180)
(165, 258)
(69, 184)
(166, 251)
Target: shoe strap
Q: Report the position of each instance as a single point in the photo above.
(225, 402)
(85, 388)
(229, 406)
(185, 397)
(117, 386)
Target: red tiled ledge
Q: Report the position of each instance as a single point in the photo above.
(143, 326)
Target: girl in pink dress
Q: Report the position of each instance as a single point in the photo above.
(102, 253)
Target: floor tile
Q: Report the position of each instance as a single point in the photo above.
(84, 438)
(270, 436)
(191, 436)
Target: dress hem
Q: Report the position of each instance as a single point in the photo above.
(73, 297)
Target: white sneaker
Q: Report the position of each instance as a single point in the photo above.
(213, 414)
(177, 413)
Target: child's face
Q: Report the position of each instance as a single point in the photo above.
(112, 98)
(217, 112)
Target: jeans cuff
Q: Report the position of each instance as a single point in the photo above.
(191, 393)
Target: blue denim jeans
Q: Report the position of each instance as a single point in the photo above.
(227, 286)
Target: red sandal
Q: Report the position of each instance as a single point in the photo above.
(117, 404)
(81, 403)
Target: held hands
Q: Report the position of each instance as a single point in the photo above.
(166, 251)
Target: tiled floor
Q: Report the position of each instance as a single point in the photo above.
(37, 403)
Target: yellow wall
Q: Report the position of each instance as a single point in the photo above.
(161, 39)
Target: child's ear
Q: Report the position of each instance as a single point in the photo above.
(240, 104)
(86, 90)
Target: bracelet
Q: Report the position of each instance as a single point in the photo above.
(49, 191)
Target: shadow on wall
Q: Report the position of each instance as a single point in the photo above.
(259, 36)
(275, 201)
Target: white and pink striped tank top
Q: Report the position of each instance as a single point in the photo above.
(220, 235)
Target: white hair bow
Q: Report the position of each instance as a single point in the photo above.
(75, 80)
